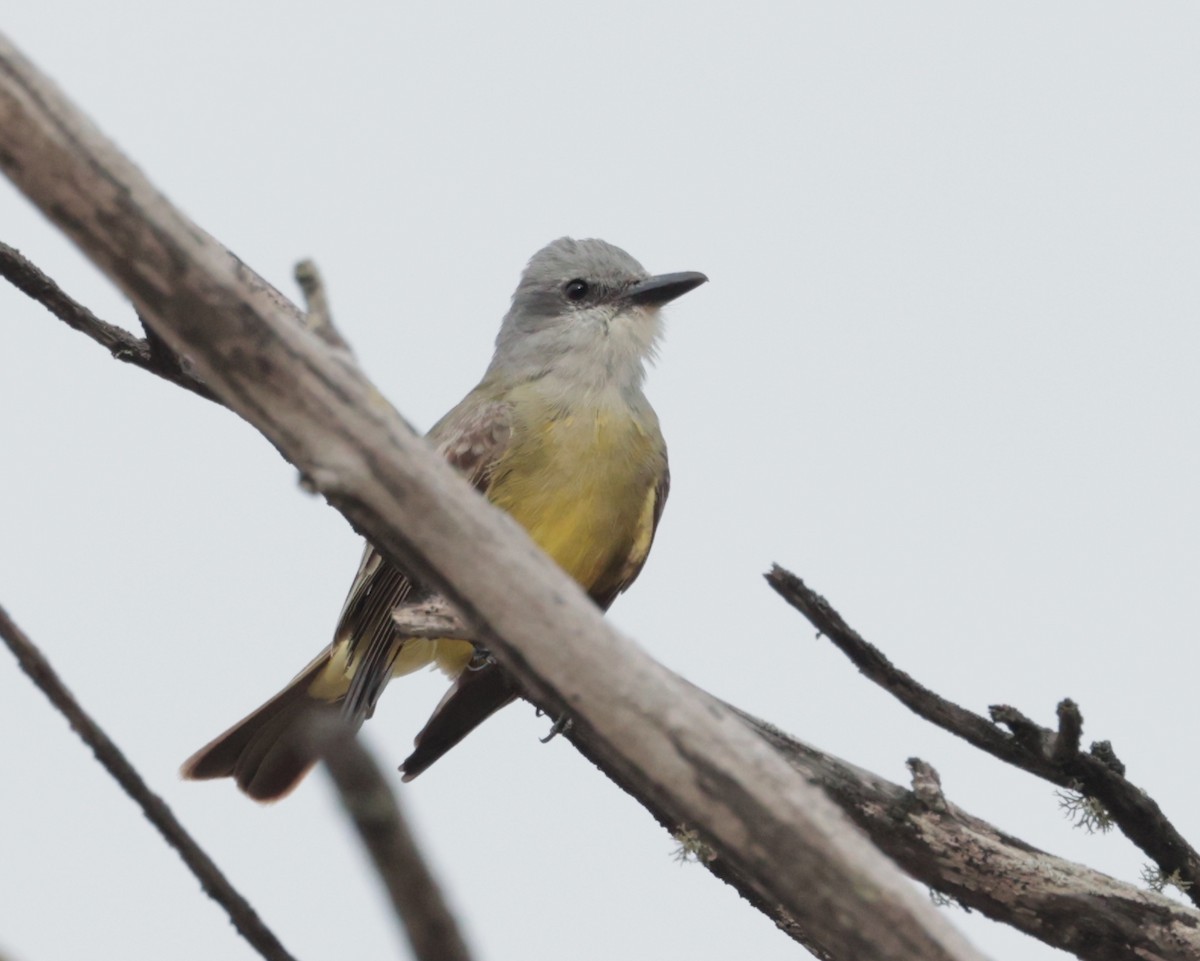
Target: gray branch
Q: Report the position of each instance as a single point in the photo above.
(245, 919)
(1066, 905)
(415, 894)
(739, 785)
(1061, 903)
(433, 618)
(318, 314)
(149, 354)
(1052, 755)
(688, 753)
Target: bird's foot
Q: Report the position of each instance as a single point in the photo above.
(561, 726)
(480, 659)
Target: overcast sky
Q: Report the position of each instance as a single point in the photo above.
(945, 370)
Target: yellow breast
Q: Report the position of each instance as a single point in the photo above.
(580, 483)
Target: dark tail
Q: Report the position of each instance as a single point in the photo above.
(270, 751)
(477, 694)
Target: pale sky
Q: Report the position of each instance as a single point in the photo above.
(945, 370)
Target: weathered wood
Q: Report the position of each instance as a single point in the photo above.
(691, 756)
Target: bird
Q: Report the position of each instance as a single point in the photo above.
(559, 434)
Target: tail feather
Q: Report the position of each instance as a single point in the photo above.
(477, 694)
(267, 752)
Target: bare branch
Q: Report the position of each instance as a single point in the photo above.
(1066, 905)
(687, 757)
(927, 785)
(1070, 729)
(416, 896)
(150, 354)
(214, 883)
(432, 618)
(971, 862)
(684, 751)
(1030, 736)
(318, 317)
(1038, 750)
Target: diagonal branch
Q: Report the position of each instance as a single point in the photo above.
(214, 883)
(318, 314)
(416, 896)
(150, 354)
(1066, 905)
(694, 762)
(686, 753)
(1051, 755)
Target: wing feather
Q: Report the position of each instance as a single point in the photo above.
(472, 437)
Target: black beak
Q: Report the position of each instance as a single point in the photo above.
(664, 288)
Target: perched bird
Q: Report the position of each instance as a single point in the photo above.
(559, 434)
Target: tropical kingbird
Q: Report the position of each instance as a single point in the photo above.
(559, 434)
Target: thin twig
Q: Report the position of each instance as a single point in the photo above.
(1027, 733)
(318, 316)
(416, 896)
(150, 354)
(214, 883)
(927, 785)
(1040, 751)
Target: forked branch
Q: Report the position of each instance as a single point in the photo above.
(694, 758)
(149, 354)
(1053, 755)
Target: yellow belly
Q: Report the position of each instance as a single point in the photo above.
(579, 484)
(583, 485)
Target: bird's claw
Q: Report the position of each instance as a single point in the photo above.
(480, 659)
(561, 726)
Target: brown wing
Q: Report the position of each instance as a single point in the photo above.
(471, 437)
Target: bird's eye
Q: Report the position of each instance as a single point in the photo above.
(576, 289)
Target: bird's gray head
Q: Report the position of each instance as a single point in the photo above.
(586, 312)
